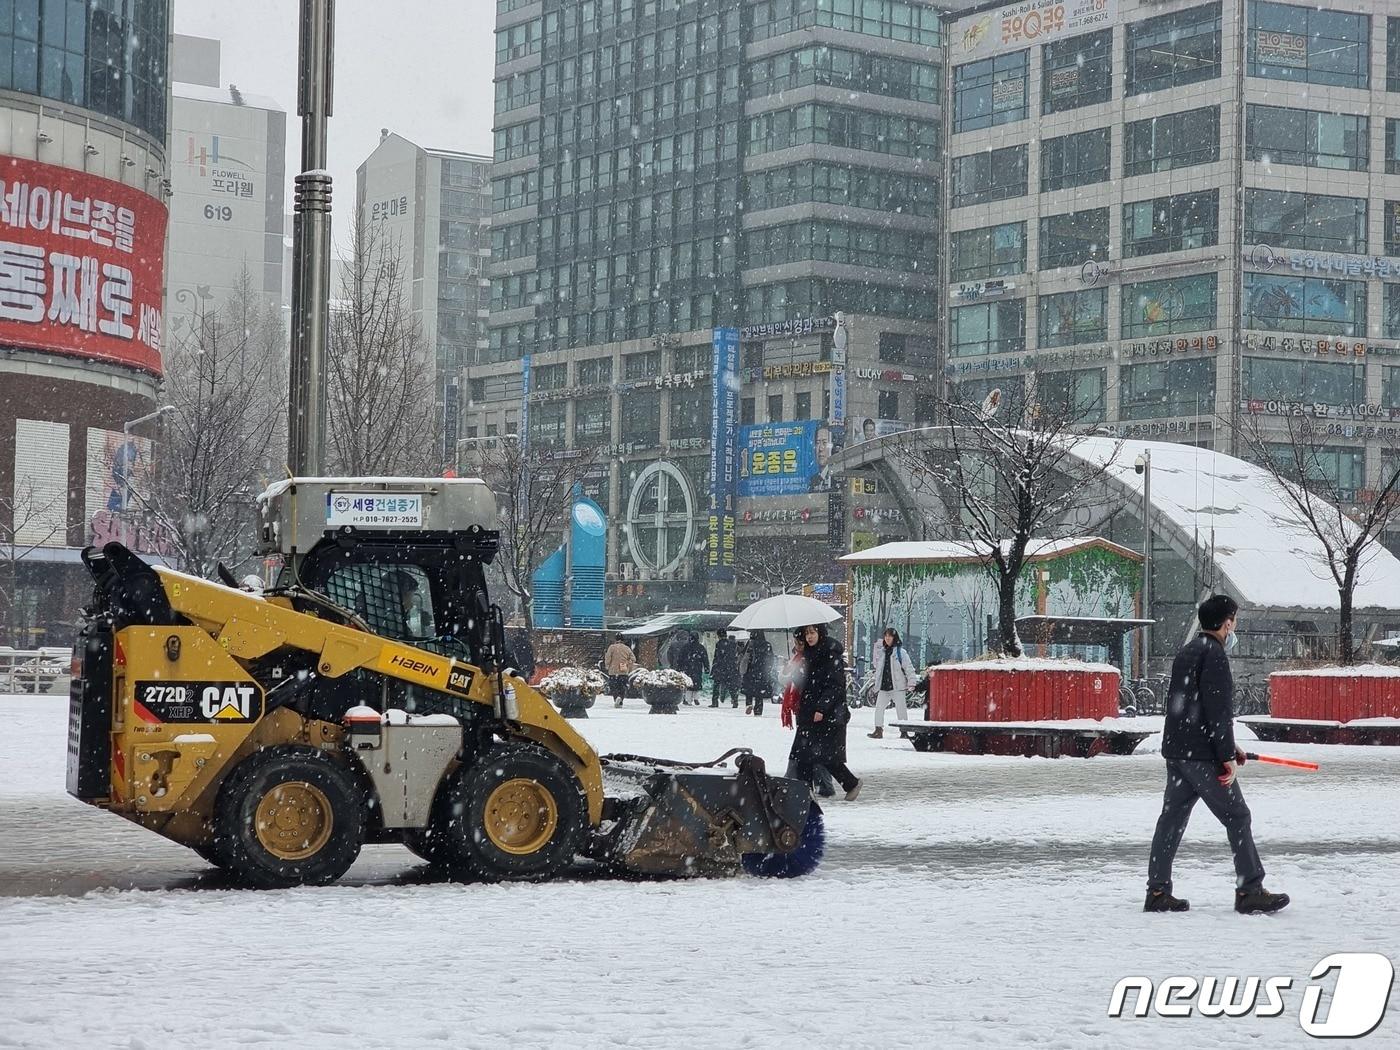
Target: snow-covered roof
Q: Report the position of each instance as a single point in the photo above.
(1234, 510)
(921, 551)
(223, 95)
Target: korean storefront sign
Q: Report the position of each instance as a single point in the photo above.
(1321, 264)
(792, 326)
(786, 459)
(81, 264)
(1026, 23)
(724, 473)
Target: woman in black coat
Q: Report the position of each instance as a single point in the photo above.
(822, 713)
(757, 680)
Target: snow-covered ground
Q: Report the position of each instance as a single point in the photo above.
(964, 902)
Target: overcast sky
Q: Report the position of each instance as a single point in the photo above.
(421, 68)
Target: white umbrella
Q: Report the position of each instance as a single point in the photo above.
(783, 612)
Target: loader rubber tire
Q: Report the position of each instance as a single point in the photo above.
(288, 816)
(516, 814)
(426, 845)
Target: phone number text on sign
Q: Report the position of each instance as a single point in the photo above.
(371, 508)
(81, 264)
(1034, 21)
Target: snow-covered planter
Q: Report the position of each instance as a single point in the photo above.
(662, 688)
(573, 689)
(1022, 689)
(1336, 694)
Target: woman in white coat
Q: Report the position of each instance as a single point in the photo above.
(894, 677)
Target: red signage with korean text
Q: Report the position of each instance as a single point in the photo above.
(82, 263)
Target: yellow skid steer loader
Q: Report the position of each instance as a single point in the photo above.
(368, 697)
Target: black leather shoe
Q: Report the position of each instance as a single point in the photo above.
(1162, 900)
(1259, 902)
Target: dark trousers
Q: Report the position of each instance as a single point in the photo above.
(617, 684)
(719, 690)
(1187, 782)
(821, 779)
(754, 699)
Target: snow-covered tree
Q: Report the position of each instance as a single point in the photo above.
(380, 408)
(27, 522)
(225, 375)
(1348, 523)
(1001, 477)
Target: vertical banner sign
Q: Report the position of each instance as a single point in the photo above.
(451, 409)
(524, 435)
(724, 474)
(82, 265)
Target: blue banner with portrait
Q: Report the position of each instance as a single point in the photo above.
(786, 459)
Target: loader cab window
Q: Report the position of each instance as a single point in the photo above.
(393, 600)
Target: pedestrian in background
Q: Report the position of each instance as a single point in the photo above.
(691, 660)
(894, 678)
(756, 673)
(618, 662)
(1198, 742)
(725, 671)
(822, 713)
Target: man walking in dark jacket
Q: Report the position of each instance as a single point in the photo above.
(725, 671)
(1198, 743)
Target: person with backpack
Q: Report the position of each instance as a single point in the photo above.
(618, 662)
(894, 677)
(1198, 743)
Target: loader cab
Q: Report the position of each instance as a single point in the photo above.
(405, 557)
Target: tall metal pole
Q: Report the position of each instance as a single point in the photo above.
(311, 246)
(1146, 557)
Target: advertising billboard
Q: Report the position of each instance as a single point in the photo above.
(724, 420)
(1028, 22)
(81, 265)
(786, 459)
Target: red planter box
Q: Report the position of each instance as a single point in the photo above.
(1333, 697)
(1049, 692)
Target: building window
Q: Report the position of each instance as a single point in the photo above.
(1162, 389)
(1306, 45)
(843, 68)
(990, 92)
(593, 421)
(1073, 397)
(1390, 316)
(1306, 221)
(993, 251)
(597, 372)
(828, 125)
(803, 406)
(1068, 240)
(992, 175)
(1390, 383)
(549, 377)
(1170, 224)
(1174, 140)
(839, 184)
(1335, 471)
(1074, 317)
(893, 347)
(746, 412)
(1309, 137)
(988, 328)
(1318, 382)
(1170, 307)
(690, 414)
(1080, 159)
(1392, 144)
(890, 19)
(642, 366)
(695, 359)
(1174, 49)
(547, 424)
(1077, 72)
(1312, 305)
(775, 408)
(641, 417)
(1392, 54)
(888, 404)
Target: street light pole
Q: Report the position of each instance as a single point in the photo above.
(1143, 465)
(311, 245)
(131, 424)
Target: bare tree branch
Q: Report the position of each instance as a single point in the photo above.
(1012, 479)
(26, 524)
(534, 493)
(381, 414)
(1296, 464)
